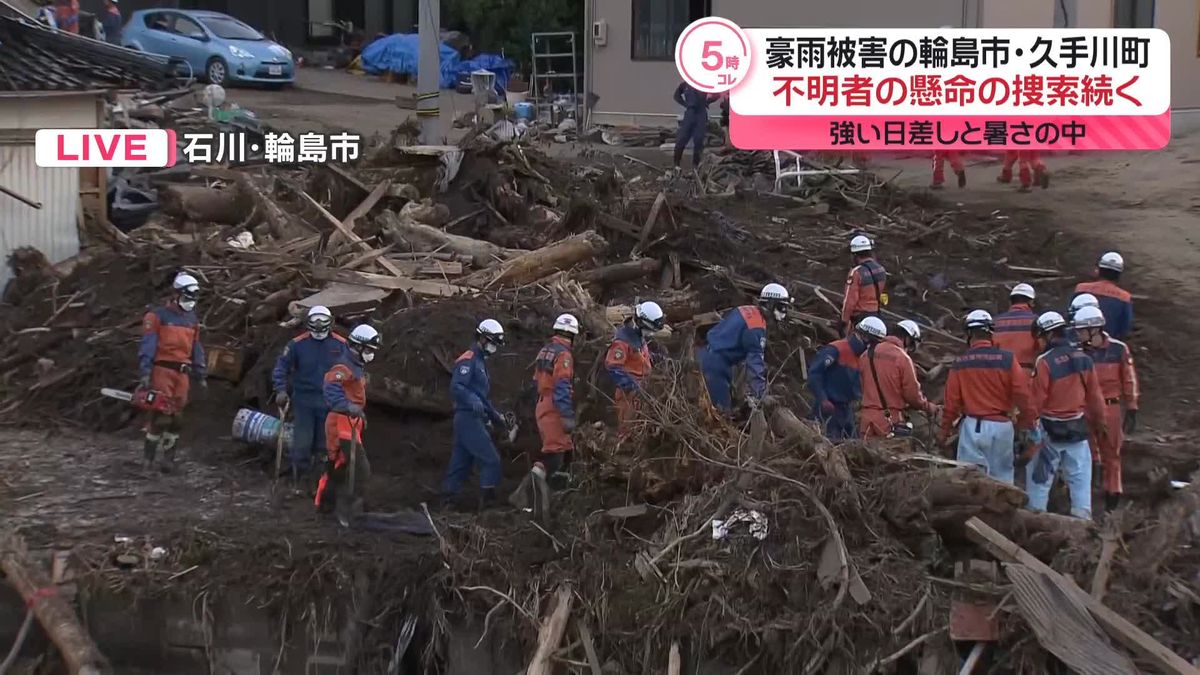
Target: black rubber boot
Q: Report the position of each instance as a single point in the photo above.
(149, 451)
(1112, 500)
(167, 465)
(487, 498)
(962, 178)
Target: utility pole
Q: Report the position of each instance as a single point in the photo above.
(429, 68)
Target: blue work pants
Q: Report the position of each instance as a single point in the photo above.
(308, 436)
(1076, 461)
(988, 444)
(472, 445)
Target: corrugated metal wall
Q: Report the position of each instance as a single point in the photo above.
(51, 229)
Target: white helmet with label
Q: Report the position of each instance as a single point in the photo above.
(1050, 321)
(364, 341)
(1111, 261)
(566, 323)
(873, 327)
(775, 299)
(978, 319)
(319, 321)
(1088, 317)
(649, 316)
(861, 243)
(1022, 291)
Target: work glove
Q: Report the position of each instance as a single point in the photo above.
(1130, 422)
(281, 399)
(828, 407)
(568, 424)
(144, 381)
(204, 383)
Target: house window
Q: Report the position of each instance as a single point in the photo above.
(658, 23)
(1133, 14)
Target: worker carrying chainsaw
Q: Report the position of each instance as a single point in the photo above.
(628, 360)
(553, 376)
(346, 468)
(986, 384)
(741, 337)
(299, 379)
(1119, 386)
(834, 380)
(1070, 406)
(169, 356)
(474, 416)
(866, 285)
(1014, 328)
(889, 380)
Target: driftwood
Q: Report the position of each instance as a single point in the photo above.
(676, 309)
(413, 236)
(57, 618)
(227, 206)
(536, 265)
(392, 283)
(615, 274)
(551, 633)
(808, 439)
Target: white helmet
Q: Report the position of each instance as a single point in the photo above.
(319, 321)
(491, 332)
(1111, 261)
(1050, 321)
(185, 284)
(1088, 317)
(978, 319)
(1082, 300)
(566, 323)
(873, 327)
(909, 326)
(860, 244)
(649, 316)
(776, 300)
(1022, 291)
(364, 341)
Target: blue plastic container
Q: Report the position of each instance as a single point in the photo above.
(524, 111)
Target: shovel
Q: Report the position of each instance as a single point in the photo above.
(355, 447)
(276, 495)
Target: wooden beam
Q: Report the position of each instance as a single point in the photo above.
(551, 633)
(347, 231)
(1117, 626)
(651, 219)
(389, 283)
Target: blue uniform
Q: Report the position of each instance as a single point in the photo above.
(694, 126)
(300, 372)
(470, 388)
(833, 376)
(741, 336)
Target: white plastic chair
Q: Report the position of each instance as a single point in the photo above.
(790, 157)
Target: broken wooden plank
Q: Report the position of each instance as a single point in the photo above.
(31, 203)
(341, 298)
(389, 283)
(1036, 271)
(651, 219)
(1117, 626)
(364, 207)
(551, 633)
(364, 258)
(349, 234)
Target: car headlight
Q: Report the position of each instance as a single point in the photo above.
(239, 52)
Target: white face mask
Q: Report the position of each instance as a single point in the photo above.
(490, 348)
(780, 313)
(319, 334)
(187, 305)
(368, 356)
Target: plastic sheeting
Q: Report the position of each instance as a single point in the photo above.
(399, 54)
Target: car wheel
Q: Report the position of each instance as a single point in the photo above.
(216, 71)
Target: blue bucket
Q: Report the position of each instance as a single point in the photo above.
(256, 428)
(524, 110)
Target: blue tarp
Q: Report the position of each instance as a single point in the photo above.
(398, 54)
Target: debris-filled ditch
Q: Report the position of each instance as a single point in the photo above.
(694, 545)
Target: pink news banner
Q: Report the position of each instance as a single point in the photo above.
(954, 89)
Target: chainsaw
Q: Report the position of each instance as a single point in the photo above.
(143, 398)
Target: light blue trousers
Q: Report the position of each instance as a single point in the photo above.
(1076, 461)
(991, 447)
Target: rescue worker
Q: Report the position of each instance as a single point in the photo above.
(986, 384)
(940, 158)
(169, 355)
(1080, 301)
(628, 361)
(889, 380)
(346, 396)
(66, 15)
(299, 380)
(1115, 302)
(694, 126)
(1032, 169)
(474, 416)
(1014, 328)
(741, 336)
(553, 375)
(110, 21)
(834, 381)
(46, 16)
(1070, 407)
(866, 285)
(1119, 386)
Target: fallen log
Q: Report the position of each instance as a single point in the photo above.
(615, 274)
(551, 633)
(676, 309)
(227, 206)
(536, 265)
(414, 236)
(56, 617)
(808, 439)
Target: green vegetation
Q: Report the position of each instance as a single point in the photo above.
(504, 26)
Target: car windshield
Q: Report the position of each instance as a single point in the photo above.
(230, 29)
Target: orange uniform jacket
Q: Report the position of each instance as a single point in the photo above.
(1014, 333)
(865, 283)
(897, 379)
(987, 383)
(1065, 386)
(345, 384)
(553, 373)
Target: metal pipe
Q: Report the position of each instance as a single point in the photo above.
(21, 198)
